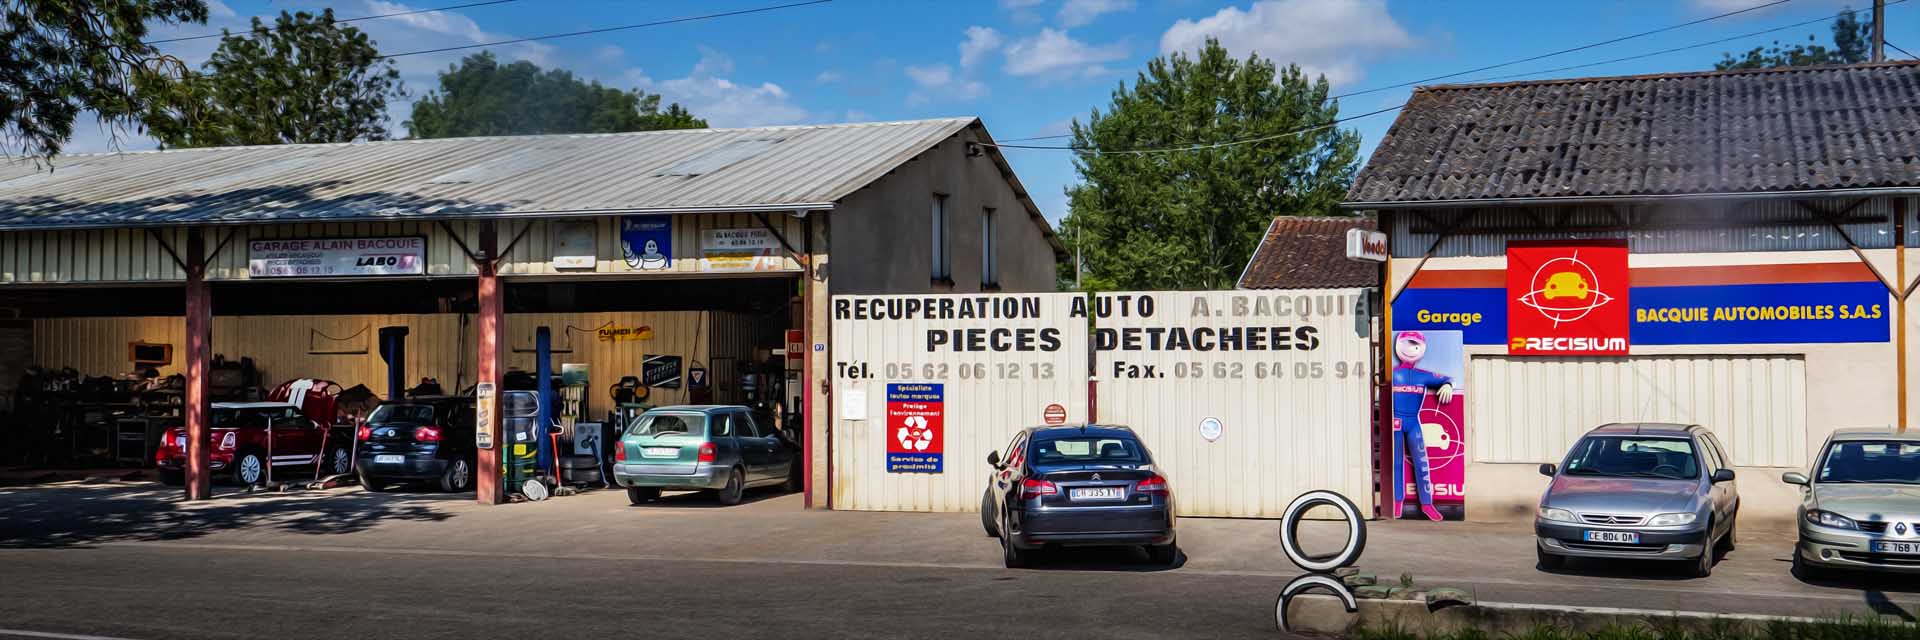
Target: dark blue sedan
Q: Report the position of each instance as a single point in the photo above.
(1077, 486)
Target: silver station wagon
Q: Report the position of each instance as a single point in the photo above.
(1639, 491)
(1861, 508)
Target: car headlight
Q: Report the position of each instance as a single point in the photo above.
(1672, 519)
(1830, 519)
(1557, 515)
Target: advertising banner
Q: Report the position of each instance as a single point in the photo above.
(1429, 427)
(916, 417)
(646, 242)
(335, 257)
(1567, 299)
(739, 250)
(660, 371)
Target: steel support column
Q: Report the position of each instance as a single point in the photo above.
(198, 362)
(487, 364)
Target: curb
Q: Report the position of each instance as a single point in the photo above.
(1324, 614)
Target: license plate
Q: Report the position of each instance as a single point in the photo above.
(389, 459)
(1096, 493)
(1895, 547)
(1622, 537)
(661, 452)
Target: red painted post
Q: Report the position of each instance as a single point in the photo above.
(490, 317)
(199, 360)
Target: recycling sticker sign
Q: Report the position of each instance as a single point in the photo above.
(916, 418)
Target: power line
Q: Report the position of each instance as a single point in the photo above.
(709, 16)
(344, 20)
(1897, 48)
(1672, 50)
(1563, 51)
(1213, 145)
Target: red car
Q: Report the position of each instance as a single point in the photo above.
(300, 440)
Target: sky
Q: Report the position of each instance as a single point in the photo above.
(1029, 67)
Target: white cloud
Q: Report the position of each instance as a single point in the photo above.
(217, 10)
(938, 82)
(1053, 52)
(980, 43)
(722, 102)
(829, 76)
(856, 115)
(1330, 38)
(938, 75)
(609, 54)
(1079, 12)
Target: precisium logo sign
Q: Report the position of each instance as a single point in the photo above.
(1566, 345)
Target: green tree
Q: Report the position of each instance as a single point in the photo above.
(305, 79)
(61, 57)
(1192, 218)
(481, 97)
(1851, 45)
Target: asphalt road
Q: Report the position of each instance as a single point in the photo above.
(194, 591)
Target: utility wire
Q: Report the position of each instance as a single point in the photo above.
(1213, 145)
(344, 20)
(1672, 50)
(1897, 48)
(657, 23)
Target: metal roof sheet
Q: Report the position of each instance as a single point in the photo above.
(808, 167)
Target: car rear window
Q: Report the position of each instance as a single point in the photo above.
(405, 413)
(668, 424)
(1087, 450)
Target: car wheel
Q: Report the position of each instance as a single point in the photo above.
(642, 495)
(736, 487)
(1547, 561)
(1163, 555)
(1807, 572)
(986, 514)
(248, 469)
(459, 476)
(1013, 556)
(1733, 524)
(339, 460)
(1702, 566)
(373, 485)
(172, 478)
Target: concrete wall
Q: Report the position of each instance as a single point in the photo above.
(883, 236)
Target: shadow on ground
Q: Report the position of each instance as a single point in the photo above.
(80, 515)
(706, 500)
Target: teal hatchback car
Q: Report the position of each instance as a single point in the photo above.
(718, 448)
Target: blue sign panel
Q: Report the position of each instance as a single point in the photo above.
(1480, 315)
(647, 242)
(1761, 313)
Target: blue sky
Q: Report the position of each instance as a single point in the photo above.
(1027, 67)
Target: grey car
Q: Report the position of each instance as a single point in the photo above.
(1639, 491)
(1861, 508)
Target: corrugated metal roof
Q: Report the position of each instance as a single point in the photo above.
(739, 169)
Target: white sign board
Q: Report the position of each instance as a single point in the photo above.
(1366, 245)
(739, 250)
(323, 257)
(573, 245)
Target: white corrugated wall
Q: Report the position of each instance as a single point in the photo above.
(1527, 410)
(981, 415)
(1303, 429)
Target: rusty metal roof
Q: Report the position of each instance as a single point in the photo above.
(764, 168)
(1302, 252)
(1783, 130)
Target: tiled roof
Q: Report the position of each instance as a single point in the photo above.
(1308, 253)
(1804, 128)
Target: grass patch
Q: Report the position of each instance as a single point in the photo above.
(1838, 629)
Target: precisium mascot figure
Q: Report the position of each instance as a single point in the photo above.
(1410, 387)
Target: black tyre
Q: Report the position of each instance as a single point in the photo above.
(1727, 543)
(1547, 561)
(458, 476)
(1702, 566)
(1014, 557)
(1807, 572)
(736, 488)
(373, 484)
(339, 461)
(249, 468)
(642, 495)
(171, 478)
(986, 514)
(796, 478)
(1163, 555)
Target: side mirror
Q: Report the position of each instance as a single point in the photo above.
(1794, 477)
(1723, 475)
(993, 458)
(1549, 470)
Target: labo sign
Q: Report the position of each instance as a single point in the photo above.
(323, 257)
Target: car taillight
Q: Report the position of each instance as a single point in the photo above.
(1153, 484)
(620, 452)
(706, 452)
(1033, 488)
(227, 441)
(365, 433)
(427, 433)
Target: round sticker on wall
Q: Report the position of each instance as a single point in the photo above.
(1210, 428)
(1055, 415)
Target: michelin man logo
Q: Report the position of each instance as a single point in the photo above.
(914, 434)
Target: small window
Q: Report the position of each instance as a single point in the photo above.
(989, 250)
(722, 425)
(942, 258)
(748, 429)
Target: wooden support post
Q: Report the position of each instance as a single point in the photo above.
(198, 363)
(1385, 462)
(487, 364)
(1899, 292)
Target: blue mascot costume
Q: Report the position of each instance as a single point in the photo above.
(1410, 387)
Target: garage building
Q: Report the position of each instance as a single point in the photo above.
(709, 246)
(1763, 214)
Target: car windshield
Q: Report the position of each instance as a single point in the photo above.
(1633, 457)
(1087, 450)
(669, 424)
(404, 413)
(1871, 461)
